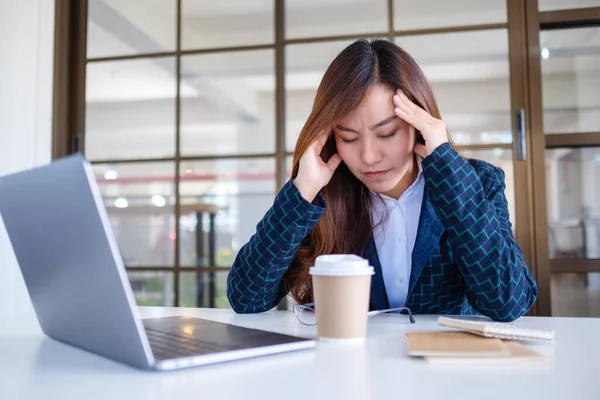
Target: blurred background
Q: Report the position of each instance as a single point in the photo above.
(189, 111)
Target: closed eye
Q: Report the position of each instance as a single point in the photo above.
(389, 136)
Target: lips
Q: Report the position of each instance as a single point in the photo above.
(376, 174)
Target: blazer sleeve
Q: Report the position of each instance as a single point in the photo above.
(254, 283)
(469, 199)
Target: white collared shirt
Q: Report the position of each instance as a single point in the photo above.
(395, 237)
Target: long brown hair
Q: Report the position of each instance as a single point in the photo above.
(346, 225)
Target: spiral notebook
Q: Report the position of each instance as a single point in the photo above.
(492, 329)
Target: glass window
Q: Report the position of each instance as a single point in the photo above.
(228, 103)
(501, 158)
(227, 108)
(551, 5)
(573, 190)
(575, 295)
(237, 193)
(311, 18)
(304, 68)
(571, 80)
(196, 288)
(410, 14)
(210, 24)
(152, 288)
(118, 28)
(130, 109)
(139, 199)
(469, 74)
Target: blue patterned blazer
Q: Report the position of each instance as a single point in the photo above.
(465, 260)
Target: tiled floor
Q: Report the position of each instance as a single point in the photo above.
(576, 295)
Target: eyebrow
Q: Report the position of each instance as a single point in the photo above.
(377, 125)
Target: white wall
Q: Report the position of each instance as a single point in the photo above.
(26, 45)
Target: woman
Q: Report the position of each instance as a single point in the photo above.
(375, 175)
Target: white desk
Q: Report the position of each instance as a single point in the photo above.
(35, 367)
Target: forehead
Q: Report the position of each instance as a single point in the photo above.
(375, 106)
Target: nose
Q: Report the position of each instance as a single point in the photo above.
(370, 152)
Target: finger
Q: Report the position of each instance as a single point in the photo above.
(320, 142)
(334, 162)
(396, 99)
(420, 150)
(405, 101)
(413, 114)
(418, 111)
(411, 119)
(422, 123)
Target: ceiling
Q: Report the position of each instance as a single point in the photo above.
(229, 95)
(447, 57)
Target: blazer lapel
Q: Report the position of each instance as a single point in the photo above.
(379, 300)
(428, 236)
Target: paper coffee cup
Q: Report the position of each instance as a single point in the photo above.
(341, 290)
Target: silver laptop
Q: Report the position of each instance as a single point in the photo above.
(60, 232)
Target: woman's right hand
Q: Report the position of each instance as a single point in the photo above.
(313, 172)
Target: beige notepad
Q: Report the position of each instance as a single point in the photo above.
(519, 355)
(454, 344)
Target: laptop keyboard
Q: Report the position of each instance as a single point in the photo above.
(181, 337)
(167, 346)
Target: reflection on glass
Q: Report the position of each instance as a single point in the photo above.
(501, 158)
(470, 81)
(409, 14)
(139, 199)
(130, 109)
(228, 103)
(226, 198)
(208, 24)
(152, 288)
(572, 193)
(551, 5)
(329, 18)
(304, 68)
(117, 27)
(203, 289)
(571, 80)
(575, 295)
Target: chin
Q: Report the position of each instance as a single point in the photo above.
(380, 187)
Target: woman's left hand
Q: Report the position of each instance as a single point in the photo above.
(433, 129)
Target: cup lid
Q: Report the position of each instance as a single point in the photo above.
(341, 265)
